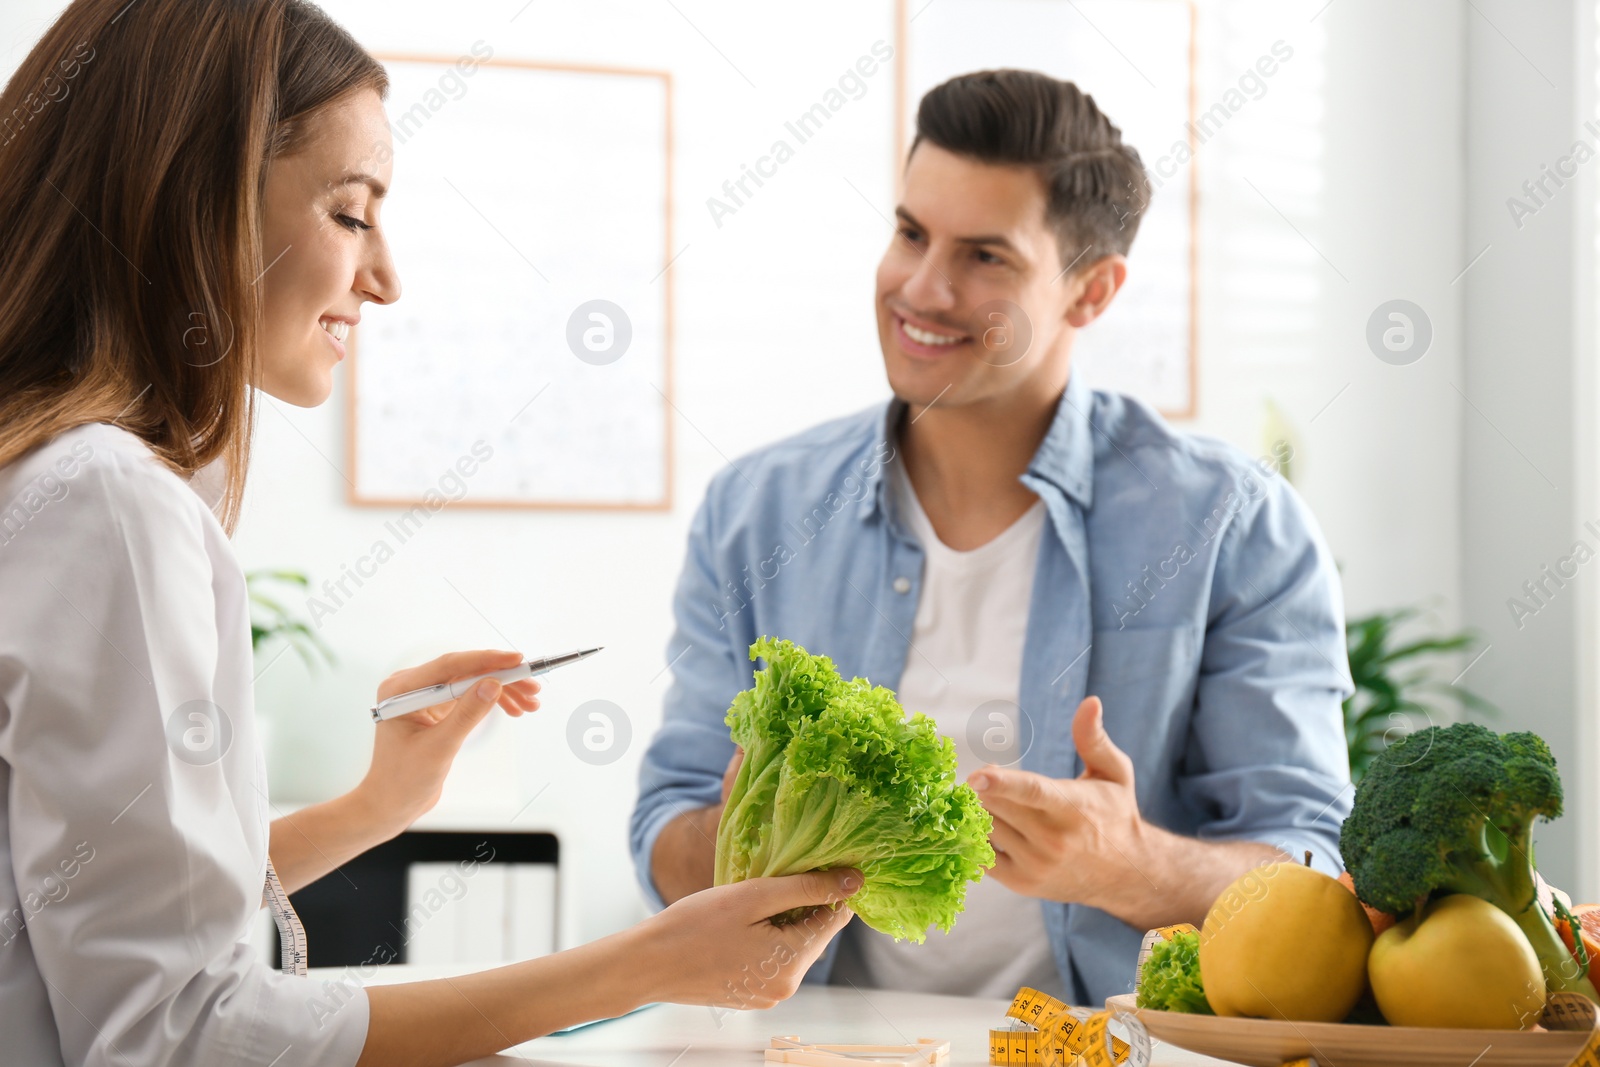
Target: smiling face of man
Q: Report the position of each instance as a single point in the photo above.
(973, 303)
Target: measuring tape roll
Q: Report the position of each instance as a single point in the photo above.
(1574, 1011)
(291, 934)
(1048, 1033)
(1051, 1034)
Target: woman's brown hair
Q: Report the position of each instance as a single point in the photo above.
(134, 145)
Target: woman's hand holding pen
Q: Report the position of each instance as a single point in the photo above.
(412, 754)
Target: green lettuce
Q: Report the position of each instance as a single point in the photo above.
(1170, 977)
(836, 775)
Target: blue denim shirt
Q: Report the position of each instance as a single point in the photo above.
(1186, 587)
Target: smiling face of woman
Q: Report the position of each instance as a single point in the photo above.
(325, 251)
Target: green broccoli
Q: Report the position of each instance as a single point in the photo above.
(1451, 810)
(1170, 977)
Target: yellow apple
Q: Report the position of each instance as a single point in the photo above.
(1462, 963)
(1285, 942)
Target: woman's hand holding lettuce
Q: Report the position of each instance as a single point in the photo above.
(835, 775)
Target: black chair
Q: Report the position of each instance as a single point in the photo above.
(357, 914)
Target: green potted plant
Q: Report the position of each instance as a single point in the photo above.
(271, 620)
(1398, 683)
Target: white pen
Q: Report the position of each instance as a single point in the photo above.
(417, 699)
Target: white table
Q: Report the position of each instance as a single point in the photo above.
(671, 1035)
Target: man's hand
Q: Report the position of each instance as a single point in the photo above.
(1082, 840)
(1076, 840)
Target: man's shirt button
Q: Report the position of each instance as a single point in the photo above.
(902, 585)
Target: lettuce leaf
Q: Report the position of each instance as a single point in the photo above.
(1170, 978)
(835, 775)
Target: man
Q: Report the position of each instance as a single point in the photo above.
(1134, 636)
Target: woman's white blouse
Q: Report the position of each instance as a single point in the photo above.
(133, 808)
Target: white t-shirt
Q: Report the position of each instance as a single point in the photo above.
(964, 671)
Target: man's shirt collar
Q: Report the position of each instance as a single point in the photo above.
(1065, 458)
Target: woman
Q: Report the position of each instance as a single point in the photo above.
(189, 203)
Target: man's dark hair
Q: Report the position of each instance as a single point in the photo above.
(1096, 185)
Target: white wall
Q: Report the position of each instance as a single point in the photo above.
(1374, 186)
(1529, 456)
(22, 22)
(775, 332)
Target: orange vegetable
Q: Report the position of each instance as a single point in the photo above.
(1588, 916)
(1380, 921)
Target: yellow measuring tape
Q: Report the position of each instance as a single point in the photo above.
(1574, 1011)
(291, 934)
(1056, 1035)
